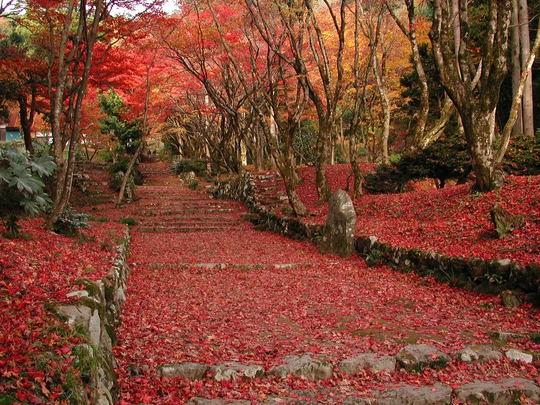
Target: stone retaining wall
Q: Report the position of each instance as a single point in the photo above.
(480, 275)
(94, 312)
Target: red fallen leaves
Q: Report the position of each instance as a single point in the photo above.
(327, 306)
(451, 221)
(35, 347)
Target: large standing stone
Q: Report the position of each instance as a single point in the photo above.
(508, 391)
(437, 394)
(418, 357)
(191, 371)
(338, 231)
(303, 366)
(370, 361)
(233, 370)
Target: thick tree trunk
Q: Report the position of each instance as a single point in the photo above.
(479, 135)
(516, 63)
(528, 113)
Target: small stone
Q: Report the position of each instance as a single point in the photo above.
(190, 371)
(511, 299)
(504, 262)
(233, 371)
(508, 391)
(504, 222)
(480, 353)
(217, 401)
(418, 357)
(372, 240)
(438, 394)
(338, 232)
(303, 366)
(359, 401)
(285, 266)
(370, 361)
(516, 355)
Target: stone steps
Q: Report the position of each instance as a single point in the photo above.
(172, 229)
(232, 266)
(503, 391)
(186, 224)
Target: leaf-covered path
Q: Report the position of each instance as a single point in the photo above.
(208, 288)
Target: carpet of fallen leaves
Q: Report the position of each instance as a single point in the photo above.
(35, 347)
(177, 311)
(451, 221)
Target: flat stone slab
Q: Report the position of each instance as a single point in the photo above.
(234, 370)
(504, 336)
(418, 357)
(438, 394)
(479, 353)
(303, 366)
(370, 361)
(509, 391)
(190, 371)
(517, 355)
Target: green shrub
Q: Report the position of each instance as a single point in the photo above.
(22, 189)
(443, 160)
(70, 222)
(129, 221)
(523, 156)
(193, 185)
(189, 165)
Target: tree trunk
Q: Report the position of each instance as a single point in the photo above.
(26, 123)
(323, 190)
(479, 135)
(528, 113)
(516, 63)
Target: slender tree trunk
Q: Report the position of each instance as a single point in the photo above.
(386, 110)
(323, 189)
(528, 113)
(26, 122)
(516, 63)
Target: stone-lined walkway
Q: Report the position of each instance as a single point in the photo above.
(217, 309)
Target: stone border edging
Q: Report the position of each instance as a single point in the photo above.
(95, 311)
(488, 276)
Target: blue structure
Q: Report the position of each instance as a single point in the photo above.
(13, 134)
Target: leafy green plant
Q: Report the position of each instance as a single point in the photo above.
(22, 190)
(129, 221)
(189, 165)
(70, 223)
(193, 185)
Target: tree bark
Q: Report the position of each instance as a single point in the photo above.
(528, 105)
(516, 64)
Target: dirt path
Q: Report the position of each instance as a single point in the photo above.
(207, 288)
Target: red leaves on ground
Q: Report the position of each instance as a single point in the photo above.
(451, 221)
(35, 347)
(327, 306)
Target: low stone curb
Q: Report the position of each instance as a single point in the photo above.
(487, 276)
(95, 311)
(507, 391)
